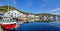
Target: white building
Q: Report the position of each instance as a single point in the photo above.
(51, 17)
(31, 18)
(13, 13)
(45, 18)
(37, 18)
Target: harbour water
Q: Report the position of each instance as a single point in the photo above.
(40, 26)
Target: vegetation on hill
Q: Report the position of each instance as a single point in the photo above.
(45, 14)
(5, 9)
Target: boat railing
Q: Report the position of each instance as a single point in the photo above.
(7, 21)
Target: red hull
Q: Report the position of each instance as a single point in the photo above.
(7, 26)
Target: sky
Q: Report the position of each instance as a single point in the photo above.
(34, 6)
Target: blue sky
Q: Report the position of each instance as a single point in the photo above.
(35, 6)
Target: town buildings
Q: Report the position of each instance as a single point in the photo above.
(28, 17)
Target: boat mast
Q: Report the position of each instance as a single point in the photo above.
(8, 7)
(8, 11)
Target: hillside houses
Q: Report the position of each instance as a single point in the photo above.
(23, 16)
(28, 17)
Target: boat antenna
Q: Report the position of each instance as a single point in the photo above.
(8, 7)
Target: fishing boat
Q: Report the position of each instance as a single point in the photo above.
(8, 23)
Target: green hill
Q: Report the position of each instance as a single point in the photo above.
(5, 9)
(45, 14)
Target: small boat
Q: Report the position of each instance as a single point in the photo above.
(8, 23)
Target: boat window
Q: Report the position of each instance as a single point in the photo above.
(7, 20)
(1, 20)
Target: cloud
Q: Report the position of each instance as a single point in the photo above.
(1, 5)
(54, 10)
(56, 13)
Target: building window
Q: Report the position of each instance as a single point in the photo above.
(8, 13)
(15, 16)
(15, 13)
(12, 13)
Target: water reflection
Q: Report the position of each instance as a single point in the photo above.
(55, 23)
(39, 26)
